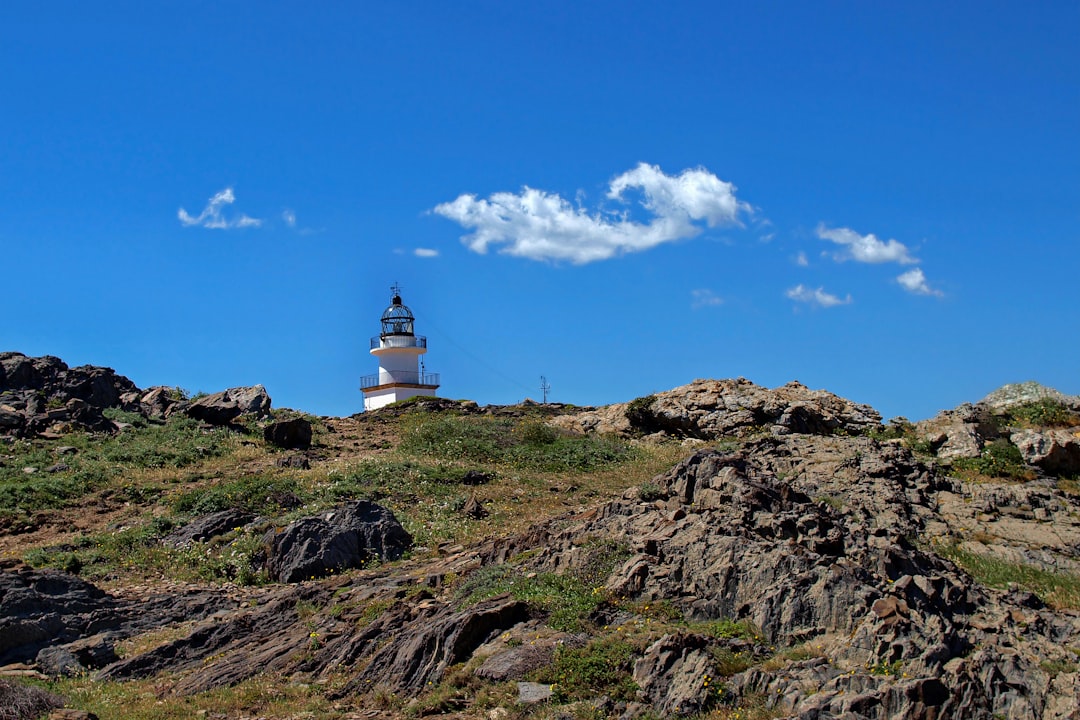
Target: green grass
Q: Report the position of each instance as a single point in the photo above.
(98, 461)
(600, 668)
(525, 444)
(261, 494)
(1057, 589)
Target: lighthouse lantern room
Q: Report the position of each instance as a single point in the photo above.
(401, 370)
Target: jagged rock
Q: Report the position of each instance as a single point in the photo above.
(346, 537)
(1053, 450)
(208, 526)
(422, 650)
(294, 434)
(675, 674)
(252, 400)
(51, 609)
(39, 393)
(77, 658)
(959, 433)
(157, 401)
(717, 408)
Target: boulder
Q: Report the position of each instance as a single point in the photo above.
(346, 537)
(294, 434)
(208, 526)
(1054, 451)
(216, 409)
(252, 400)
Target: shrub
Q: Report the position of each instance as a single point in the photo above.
(1044, 413)
(640, 414)
(1000, 459)
(21, 701)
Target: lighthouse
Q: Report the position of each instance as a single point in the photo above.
(401, 370)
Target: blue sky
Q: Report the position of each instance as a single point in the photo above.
(879, 200)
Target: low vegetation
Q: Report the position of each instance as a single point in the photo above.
(1060, 590)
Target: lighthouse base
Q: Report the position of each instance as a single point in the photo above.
(381, 396)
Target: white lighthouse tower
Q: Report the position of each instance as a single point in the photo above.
(401, 371)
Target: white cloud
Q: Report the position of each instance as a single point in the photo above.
(865, 248)
(289, 217)
(801, 259)
(803, 294)
(914, 281)
(425, 253)
(539, 225)
(212, 218)
(704, 297)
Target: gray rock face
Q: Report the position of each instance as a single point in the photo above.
(1055, 451)
(710, 409)
(346, 537)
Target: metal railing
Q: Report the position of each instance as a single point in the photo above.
(399, 341)
(400, 377)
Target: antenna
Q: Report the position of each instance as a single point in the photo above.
(396, 288)
(544, 387)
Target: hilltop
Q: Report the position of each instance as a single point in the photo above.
(718, 550)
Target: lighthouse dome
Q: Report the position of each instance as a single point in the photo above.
(397, 319)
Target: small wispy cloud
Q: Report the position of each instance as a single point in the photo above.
(816, 297)
(865, 248)
(703, 297)
(914, 281)
(289, 217)
(425, 252)
(539, 225)
(211, 217)
(801, 260)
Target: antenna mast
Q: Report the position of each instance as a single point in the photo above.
(544, 387)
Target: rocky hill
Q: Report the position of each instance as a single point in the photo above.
(719, 550)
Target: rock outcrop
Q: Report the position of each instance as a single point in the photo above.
(347, 537)
(75, 624)
(710, 409)
(42, 395)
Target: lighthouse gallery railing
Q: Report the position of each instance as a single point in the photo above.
(399, 341)
(400, 377)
